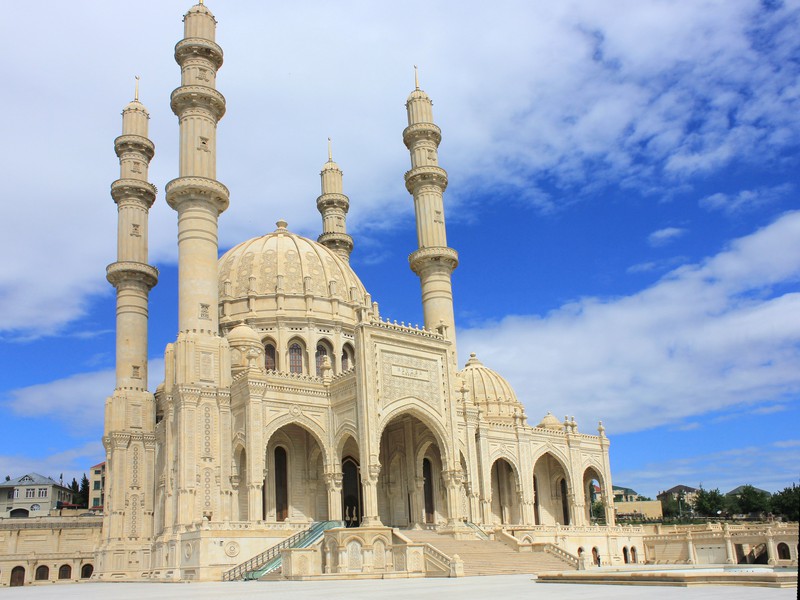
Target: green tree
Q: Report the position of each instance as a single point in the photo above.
(74, 486)
(669, 507)
(786, 503)
(598, 511)
(83, 493)
(8, 477)
(709, 502)
(751, 500)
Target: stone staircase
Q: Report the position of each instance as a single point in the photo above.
(489, 557)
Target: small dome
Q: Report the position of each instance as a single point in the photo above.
(134, 105)
(489, 390)
(243, 334)
(551, 422)
(418, 94)
(288, 273)
(199, 8)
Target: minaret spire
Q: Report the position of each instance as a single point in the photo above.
(130, 411)
(434, 261)
(136, 89)
(333, 206)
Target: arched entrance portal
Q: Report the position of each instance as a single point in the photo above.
(17, 577)
(410, 487)
(505, 498)
(552, 499)
(294, 486)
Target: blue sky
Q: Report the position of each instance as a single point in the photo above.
(624, 196)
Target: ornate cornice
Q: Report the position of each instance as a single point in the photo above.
(421, 131)
(428, 175)
(197, 188)
(125, 271)
(433, 255)
(202, 96)
(134, 143)
(134, 190)
(335, 241)
(333, 200)
(200, 47)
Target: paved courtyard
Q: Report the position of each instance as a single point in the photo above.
(504, 587)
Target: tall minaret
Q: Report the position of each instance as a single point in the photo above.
(333, 206)
(196, 478)
(130, 411)
(426, 181)
(196, 195)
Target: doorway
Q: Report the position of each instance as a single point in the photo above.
(352, 505)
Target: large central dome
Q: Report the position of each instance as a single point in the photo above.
(286, 273)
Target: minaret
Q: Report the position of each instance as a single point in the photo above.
(196, 481)
(426, 181)
(196, 195)
(333, 206)
(130, 411)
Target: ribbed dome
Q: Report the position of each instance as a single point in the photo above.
(489, 390)
(293, 267)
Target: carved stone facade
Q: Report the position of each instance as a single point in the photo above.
(287, 397)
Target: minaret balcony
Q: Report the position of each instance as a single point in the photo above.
(427, 175)
(201, 97)
(198, 47)
(135, 191)
(187, 189)
(332, 201)
(134, 143)
(433, 256)
(122, 272)
(421, 131)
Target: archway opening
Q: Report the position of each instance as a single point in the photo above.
(625, 557)
(633, 554)
(551, 500)
(64, 572)
(352, 495)
(505, 498)
(42, 573)
(17, 577)
(596, 556)
(410, 487)
(86, 571)
(294, 486)
(594, 497)
(241, 487)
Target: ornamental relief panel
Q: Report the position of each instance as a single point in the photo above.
(402, 375)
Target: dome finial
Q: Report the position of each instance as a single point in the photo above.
(281, 225)
(330, 151)
(136, 89)
(416, 77)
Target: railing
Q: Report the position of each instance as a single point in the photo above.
(562, 554)
(270, 559)
(478, 531)
(434, 553)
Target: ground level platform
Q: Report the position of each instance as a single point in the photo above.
(508, 587)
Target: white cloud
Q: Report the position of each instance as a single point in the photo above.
(764, 466)
(574, 92)
(662, 237)
(76, 401)
(706, 336)
(745, 200)
(73, 462)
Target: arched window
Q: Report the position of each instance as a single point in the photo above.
(295, 358)
(86, 571)
(319, 357)
(783, 552)
(64, 572)
(633, 554)
(348, 360)
(42, 573)
(270, 362)
(625, 555)
(17, 576)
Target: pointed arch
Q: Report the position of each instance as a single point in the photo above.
(416, 408)
(301, 421)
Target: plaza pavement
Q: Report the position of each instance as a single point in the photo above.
(498, 587)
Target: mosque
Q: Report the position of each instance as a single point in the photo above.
(289, 400)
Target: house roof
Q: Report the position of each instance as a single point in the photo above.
(29, 479)
(678, 489)
(618, 489)
(738, 490)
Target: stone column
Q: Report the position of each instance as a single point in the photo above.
(369, 483)
(333, 484)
